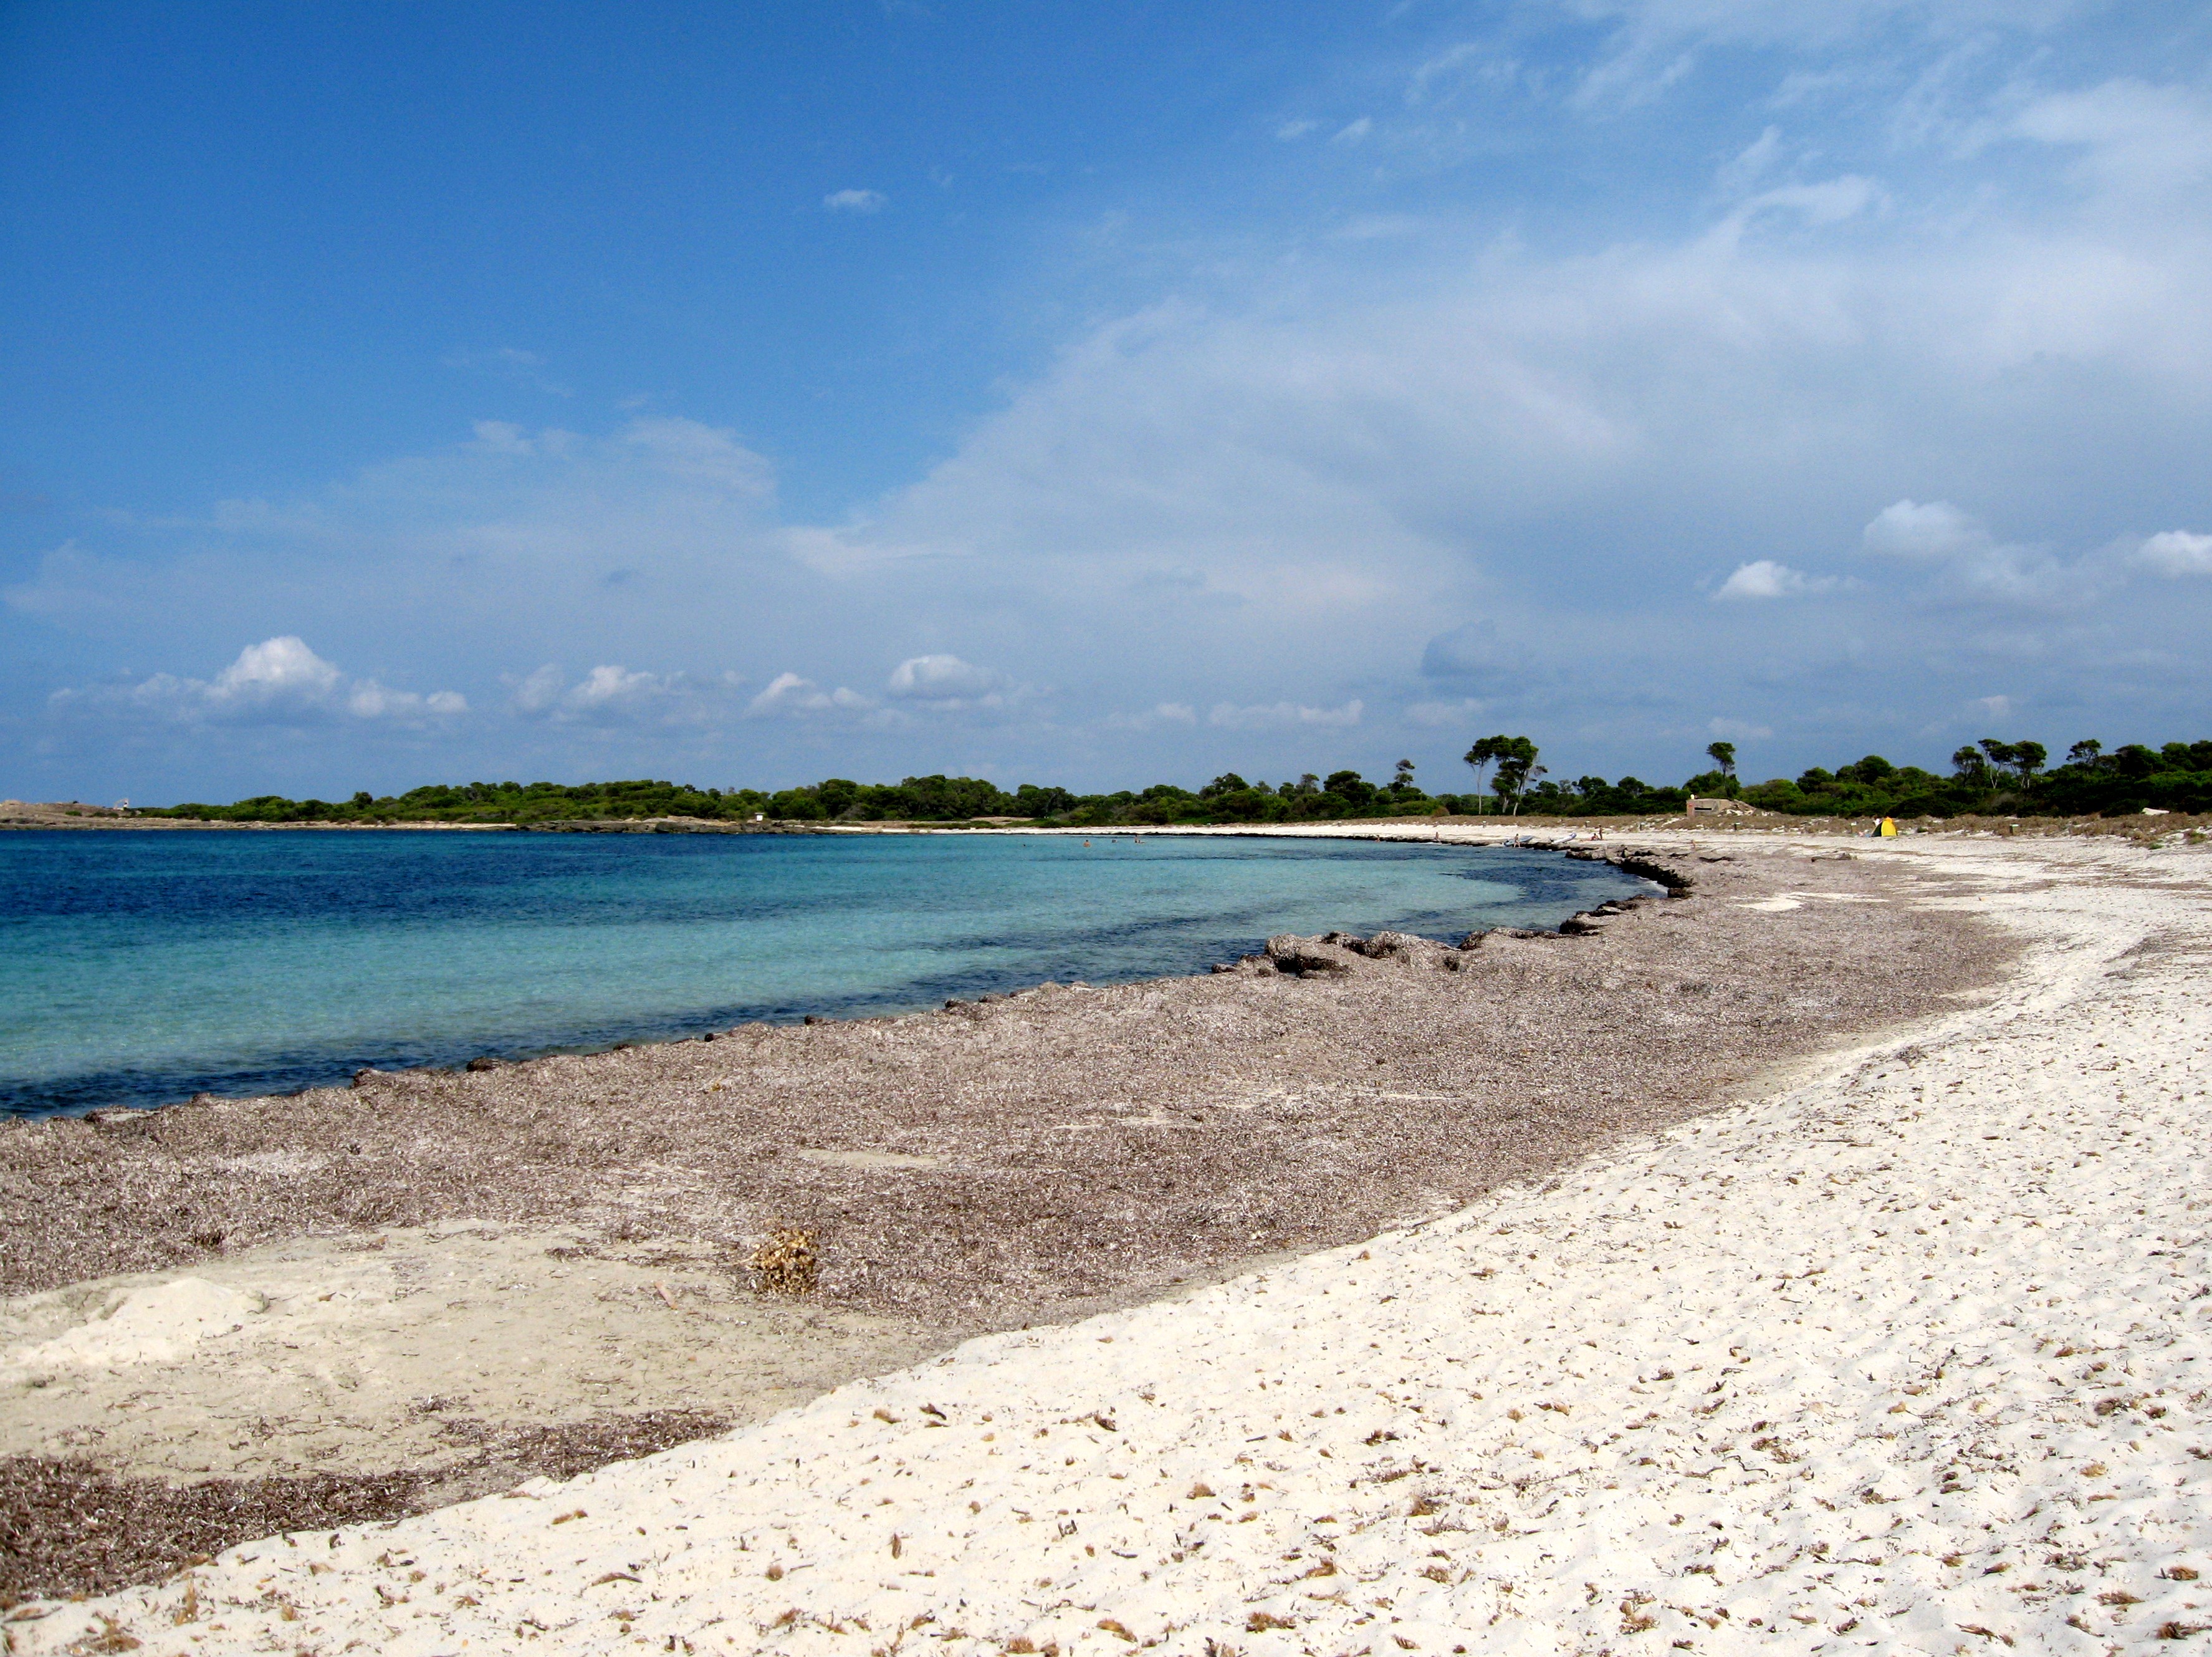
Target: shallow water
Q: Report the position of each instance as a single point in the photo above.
(140, 968)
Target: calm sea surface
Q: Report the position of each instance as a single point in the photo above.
(143, 967)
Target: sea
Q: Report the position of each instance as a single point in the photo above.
(141, 967)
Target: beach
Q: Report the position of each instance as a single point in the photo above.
(1808, 1262)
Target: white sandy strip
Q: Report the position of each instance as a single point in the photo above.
(1913, 1358)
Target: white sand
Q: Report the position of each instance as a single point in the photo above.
(1914, 1358)
(339, 1352)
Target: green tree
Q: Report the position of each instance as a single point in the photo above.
(1485, 754)
(1722, 754)
(1517, 768)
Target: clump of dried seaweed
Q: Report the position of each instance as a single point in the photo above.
(785, 1263)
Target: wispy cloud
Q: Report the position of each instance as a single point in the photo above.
(1283, 715)
(1972, 565)
(855, 201)
(514, 365)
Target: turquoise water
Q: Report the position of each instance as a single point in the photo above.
(140, 968)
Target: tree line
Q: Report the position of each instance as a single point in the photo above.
(1988, 777)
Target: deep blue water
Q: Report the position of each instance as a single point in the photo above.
(143, 967)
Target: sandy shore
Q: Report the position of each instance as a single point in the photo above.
(242, 1316)
(1913, 1355)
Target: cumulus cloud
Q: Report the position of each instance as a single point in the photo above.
(941, 679)
(790, 697)
(275, 669)
(1283, 715)
(611, 695)
(1911, 529)
(2176, 552)
(855, 201)
(1763, 578)
(369, 700)
(279, 682)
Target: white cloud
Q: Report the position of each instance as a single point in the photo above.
(1442, 716)
(611, 695)
(277, 668)
(1751, 163)
(1974, 566)
(1159, 714)
(788, 695)
(1283, 715)
(539, 692)
(502, 437)
(2133, 137)
(1288, 479)
(703, 455)
(1829, 202)
(279, 682)
(1763, 578)
(2176, 552)
(1353, 131)
(941, 679)
(1290, 130)
(370, 700)
(1656, 44)
(855, 201)
(1909, 529)
(1994, 707)
(615, 687)
(1738, 730)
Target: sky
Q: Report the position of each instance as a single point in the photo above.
(746, 395)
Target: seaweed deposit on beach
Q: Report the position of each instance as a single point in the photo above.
(426, 1269)
(1907, 1357)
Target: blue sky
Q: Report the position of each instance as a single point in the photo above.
(1093, 394)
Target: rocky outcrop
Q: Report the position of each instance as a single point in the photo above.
(1338, 953)
(1302, 956)
(1665, 868)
